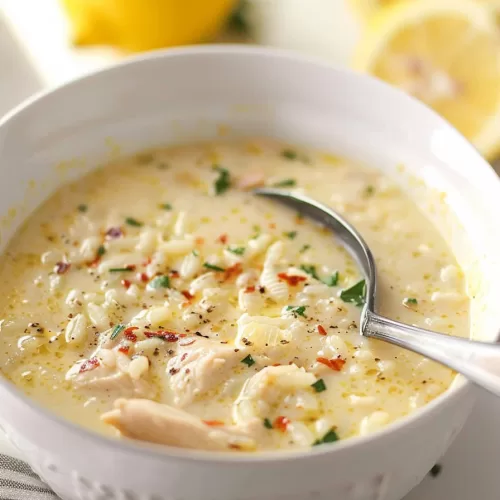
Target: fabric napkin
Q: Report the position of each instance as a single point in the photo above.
(19, 482)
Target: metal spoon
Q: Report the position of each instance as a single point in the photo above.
(478, 361)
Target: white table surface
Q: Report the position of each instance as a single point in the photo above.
(29, 63)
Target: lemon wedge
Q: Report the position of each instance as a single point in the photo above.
(137, 25)
(447, 54)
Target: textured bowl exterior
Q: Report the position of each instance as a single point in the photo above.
(184, 95)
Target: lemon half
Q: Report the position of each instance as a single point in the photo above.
(447, 54)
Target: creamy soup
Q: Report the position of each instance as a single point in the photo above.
(158, 299)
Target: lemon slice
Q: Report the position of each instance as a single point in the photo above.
(367, 8)
(447, 54)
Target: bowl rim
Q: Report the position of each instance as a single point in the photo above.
(459, 386)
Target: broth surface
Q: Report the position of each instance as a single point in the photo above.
(159, 292)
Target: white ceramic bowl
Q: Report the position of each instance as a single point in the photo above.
(187, 94)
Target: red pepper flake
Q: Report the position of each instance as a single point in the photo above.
(131, 267)
(62, 267)
(199, 241)
(174, 274)
(182, 335)
(233, 271)
(213, 423)
(281, 423)
(126, 283)
(143, 277)
(147, 261)
(335, 364)
(88, 365)
(187, 295)
(163, 334)
(113, 233)
(129, 335)
(321, 330)
(94, 262)
(276, 364)
(291, 280)
(184, 356)
(249, 289)
(124, 348)
(222, 239)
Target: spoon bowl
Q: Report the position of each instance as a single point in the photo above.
(478, 361)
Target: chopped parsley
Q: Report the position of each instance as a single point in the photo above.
(121, 269)
(298, 310)
(116, 331)
(196, 253)
(311, 270)
(166, 206)
(213, 267)
(355, 294)
(223, 182)
(237, 250)
(101, 251)
(249, 361)
(83, 208)
(160, 282)
(285, 183)
(410, 301)
(332, 280)
(289, 154)
(319, 385)
(330, 437)
(133, 222)
(268, 424)
(304, 248)
(291, 234)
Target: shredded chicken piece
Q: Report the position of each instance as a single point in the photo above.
(108, 370)
(200, 367)
(146, 420)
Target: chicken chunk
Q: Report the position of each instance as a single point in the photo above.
(200, 367)
(146, 420)
(111, 371)
(276, 390)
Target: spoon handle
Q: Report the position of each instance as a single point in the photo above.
(478, 361)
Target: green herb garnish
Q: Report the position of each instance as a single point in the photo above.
(355, 294)
(83, 208)
(223, 182)
(319, 385)
(291, 234)
(304, 248)
(299, 310)
(237, 250)
(311, 270)
(166, 206)
(196, 253)
(285, 183)
(249, 361)
(121, 269)
(289, 154)
(330, 437)
(101, 251)
(332, 280)
(116, 331)
(213, 267)
(160, 282)
(133, 222)
(268, 424)
(410, 301)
